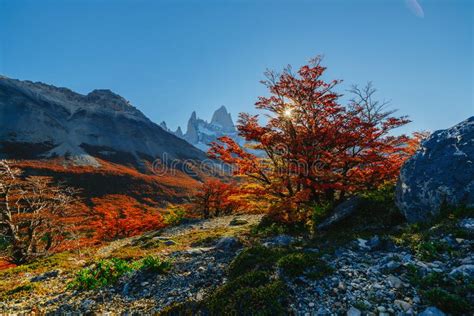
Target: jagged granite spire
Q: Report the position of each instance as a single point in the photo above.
(223, 119)
(179, 132)
(163, 126)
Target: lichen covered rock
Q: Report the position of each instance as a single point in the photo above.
(441, 172)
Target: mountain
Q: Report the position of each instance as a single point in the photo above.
(43, 121)
(100, 144)
(201, 133)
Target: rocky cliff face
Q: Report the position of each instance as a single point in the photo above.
(200, 133)
(43, 121)
(441, 172)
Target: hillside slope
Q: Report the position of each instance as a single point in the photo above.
(126, 167)
(235, 266)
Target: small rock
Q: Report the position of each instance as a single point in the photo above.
(228, 243)
(405, 306)
(432, 311)
(467, 224)
(87, 304)
(353, 312)
(392, 265)
(464, 270)
(237, 222)
(45, 276)
(394, 281)
(374, 243)
(280, 241)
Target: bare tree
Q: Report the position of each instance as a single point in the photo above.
(363, 101)
(33, 213)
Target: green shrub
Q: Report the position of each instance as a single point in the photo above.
(253, 259)
(319, 212)
(186, 308)
(272, 226)
(104, 272)
(155, 264)
(430, 250)
(447, 302)
(250, 294)
(299, 263)
(174, 215)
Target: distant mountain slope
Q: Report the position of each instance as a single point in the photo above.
(43, 121)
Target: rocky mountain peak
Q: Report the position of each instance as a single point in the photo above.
(107, 98)
(223, 119)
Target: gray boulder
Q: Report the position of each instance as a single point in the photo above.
(342, 211)
(466, 270)
(442, 171)
(467, 224)
(432, 311)
(228, 243)
(279, 241)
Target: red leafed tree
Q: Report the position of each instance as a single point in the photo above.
(216, 198)
(119, 216)
(316, 149)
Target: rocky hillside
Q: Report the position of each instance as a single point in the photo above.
(43, 121)
(229, 264)
(98, 143)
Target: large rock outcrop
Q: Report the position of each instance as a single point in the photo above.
(440, 173)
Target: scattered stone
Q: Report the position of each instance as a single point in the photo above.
(87, 304)
(404, 306)
(466, 270)
(374, 243)
(45, 276)
(228, 243)
(467, 224)
(432, 311)
(391, 265)
(394, 281)
(280, 241)
(238, 222)
(353, 312)
(170, 243)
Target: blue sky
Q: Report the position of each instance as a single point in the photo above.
(172, 57)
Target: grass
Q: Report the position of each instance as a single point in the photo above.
(303, 263)
(108, 271)
(257, 258)
(447, 293)
(446, 301)
(155, 264)
(253, 293)
(104, 272)
(423, 238)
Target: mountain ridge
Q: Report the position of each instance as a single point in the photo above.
(100, 123)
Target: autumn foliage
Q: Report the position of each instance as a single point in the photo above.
(117, 216)
(216, 198)
(317, 150)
